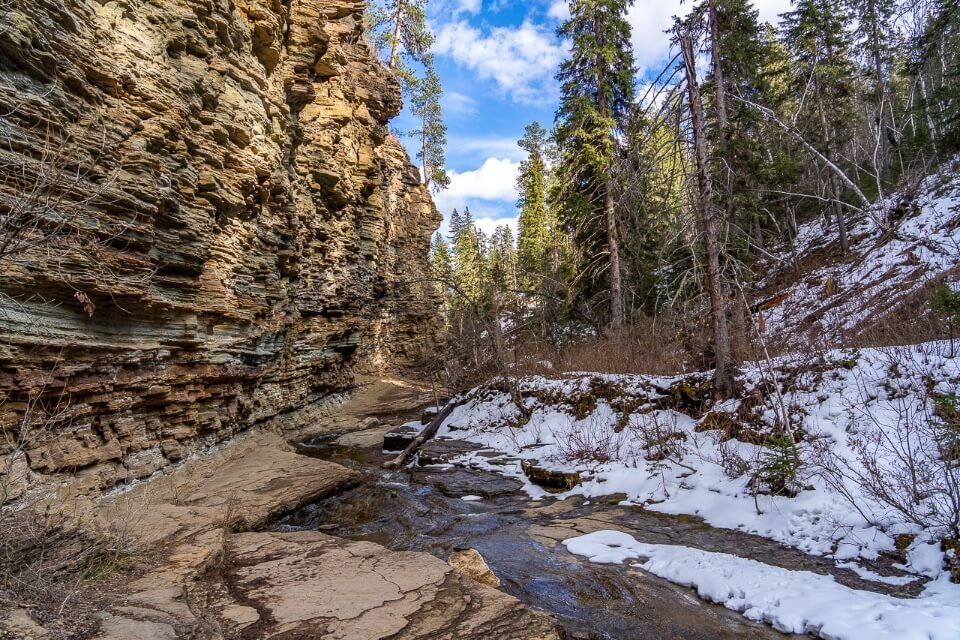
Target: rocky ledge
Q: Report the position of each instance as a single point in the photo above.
(221, 229)
(201, 570)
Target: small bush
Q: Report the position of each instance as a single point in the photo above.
(661, 437)
(592, 440)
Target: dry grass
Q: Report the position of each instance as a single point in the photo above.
(657, 346)
(55, 564)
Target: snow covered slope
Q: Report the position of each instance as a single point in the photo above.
(837, 295)
(875, 485)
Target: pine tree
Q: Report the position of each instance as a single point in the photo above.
(709, 220)
(425, 104)
(441, 268)
(456, 225)
(596, 94)
(469, 264)
(654, 213)
(938, 69)
(873, 35)
(503, 260)
(533, 223)
(738, 54)
(400, 27)
(441, 263)
(823, 68)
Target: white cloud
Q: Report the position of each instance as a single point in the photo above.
(489, 224)
(487, 146)
(520, 60)
(770, 10)
(453, 8)
(496, 179)
(470, 6)
(558, 10)
(455, 103)
(651, 18)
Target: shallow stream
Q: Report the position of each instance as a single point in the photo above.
(422, 510)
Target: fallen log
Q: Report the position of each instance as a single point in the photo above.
(428, 432)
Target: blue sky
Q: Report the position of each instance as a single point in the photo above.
(497, 60)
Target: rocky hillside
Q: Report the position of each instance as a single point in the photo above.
(214, 227)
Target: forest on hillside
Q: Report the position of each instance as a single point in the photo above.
(653, 209)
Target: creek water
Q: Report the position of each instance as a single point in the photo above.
(422, 510)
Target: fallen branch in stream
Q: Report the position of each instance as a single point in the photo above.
(430, 431)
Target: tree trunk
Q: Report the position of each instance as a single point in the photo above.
(834, 187)
(429, 431)
(610, 218)
(613, 248)
(397, 32)
(934, 134)
(723, 376)
(881, 163)
(718, 79)
(423, 150)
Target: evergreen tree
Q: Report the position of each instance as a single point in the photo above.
(469, 264)
(441, 267)
(425, 104)
(824, 77)
(872, 32)
(400, 28)
(503, 259)
(533, 223)
(596, 94)
(937, 64)
(441, 263)
(738, 55)
(655, 208)
(456, 225)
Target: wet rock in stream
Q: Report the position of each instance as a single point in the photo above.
(441, 451)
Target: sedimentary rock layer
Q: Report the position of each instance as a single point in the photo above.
(216, 228)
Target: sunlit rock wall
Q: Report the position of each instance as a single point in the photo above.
(229, 232)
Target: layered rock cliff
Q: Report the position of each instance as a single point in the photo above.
(213, 227)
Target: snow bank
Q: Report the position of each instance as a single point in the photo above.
(846, 396)
(791, 601)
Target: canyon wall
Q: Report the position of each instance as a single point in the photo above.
(207, 225)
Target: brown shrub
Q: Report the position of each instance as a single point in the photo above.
(658, 346)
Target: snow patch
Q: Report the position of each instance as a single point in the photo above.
(791, 601)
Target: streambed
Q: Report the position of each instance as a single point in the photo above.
(422, 509)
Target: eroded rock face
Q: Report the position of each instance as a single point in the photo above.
(242, 232)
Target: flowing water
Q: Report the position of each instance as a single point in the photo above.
(422, 510)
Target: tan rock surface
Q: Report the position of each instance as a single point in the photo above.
(204, 575)
(470, 563)
(248, 234)
(311, 585)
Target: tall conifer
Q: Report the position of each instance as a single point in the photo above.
(596, 94)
